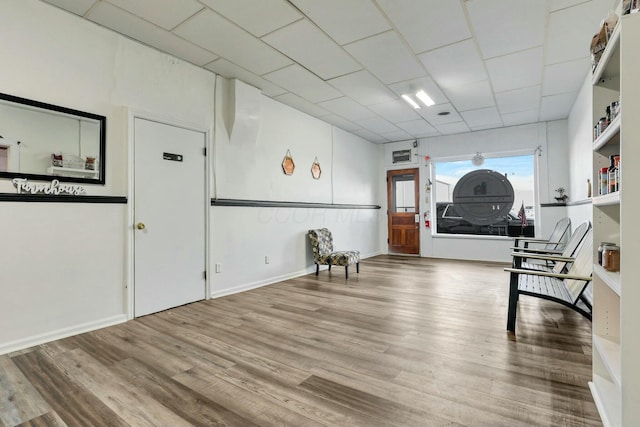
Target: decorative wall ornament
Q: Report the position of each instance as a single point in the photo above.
(55, 187)
(315, 169)
(287, 164)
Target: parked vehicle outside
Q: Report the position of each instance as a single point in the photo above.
(448, 221)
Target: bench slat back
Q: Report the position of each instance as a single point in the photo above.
(560, 234)
(572, 245)
(582, 266)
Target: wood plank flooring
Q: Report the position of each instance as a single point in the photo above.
(407, 342)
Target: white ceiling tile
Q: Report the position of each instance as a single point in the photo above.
(228, 70)
(418, 128)
(363, 87)
(516, 70)
(432, 116)
(307, 45)
(454, 65)
(564, 76)
(557, 107)
(561, 4)
(451, 128)
(257, 17)
(520, 117)
(377, 125)
(344, 21)
(347, 108)
(301, 104)
(79, 7)
(302, 83)
(522, 25)
(370, 136)
(397, 136)
(571, 29)
(472, 96)
(164, 13)
(524, 99)
(341, 122)
(482, 117)
(424, 83)
(395, 111)
(214, 33)
(427, 24)
(138, 29)
(386, 57)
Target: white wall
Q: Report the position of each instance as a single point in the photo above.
(550, 136)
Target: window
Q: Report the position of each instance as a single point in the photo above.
(519, 172)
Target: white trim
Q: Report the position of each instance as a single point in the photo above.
(21, 344)
(274, 279)
(133, 114)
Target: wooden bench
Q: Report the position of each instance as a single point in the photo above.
(570, 289)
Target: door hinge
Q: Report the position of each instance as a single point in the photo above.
(387, 240)
(204, 151)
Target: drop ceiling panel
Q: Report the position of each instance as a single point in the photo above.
(341, 122)
(79, 7)
(301, 104)
(562, 4)
(427, 24)
(363, 87)
(482, 118)
(431, 114)
(370, 136)
(228, 70)
(395, 111)
(257, 17)
(344, 21)
(302, 83)
(424, 83)
(452, 128)
(386, 57)
(216, 34)
(307, 45)
(138, 29)
(520, 117)
(522, 25)
(164, 13)
(418, 128)
(516, 70)
(524, 99)
(347, 108)
(561, 77)
(556, 107)
(398, 135)
(377, 125)
(471, 97)
(568, 29)
(454, 65)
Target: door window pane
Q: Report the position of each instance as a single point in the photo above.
(404, 193)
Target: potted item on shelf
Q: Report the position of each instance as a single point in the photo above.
(90, 163)
(562, 197)
(57, 159)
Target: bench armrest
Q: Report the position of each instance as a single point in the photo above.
(548, 274)
(541, 251)
(542, 257)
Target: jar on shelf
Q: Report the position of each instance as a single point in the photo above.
(601, 249)
(604, 180)
(611, 258)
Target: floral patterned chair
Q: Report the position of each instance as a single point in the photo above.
(323, 253)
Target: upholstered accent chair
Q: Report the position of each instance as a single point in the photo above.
(323, 253)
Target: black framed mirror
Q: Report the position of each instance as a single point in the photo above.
(41, 141)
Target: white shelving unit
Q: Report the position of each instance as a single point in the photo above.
(616, 307)
(62, 171)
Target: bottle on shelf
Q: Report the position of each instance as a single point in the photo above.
(604, 181)
(612, 175)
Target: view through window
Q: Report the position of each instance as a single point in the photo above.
(517, 169)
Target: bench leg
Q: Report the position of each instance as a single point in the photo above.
(329, 267)
(317, 268)
(357, 267)
(346, 271)
(513, 302)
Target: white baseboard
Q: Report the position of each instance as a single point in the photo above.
(274, 279)
(24, 343)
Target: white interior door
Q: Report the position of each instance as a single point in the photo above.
(169, 216)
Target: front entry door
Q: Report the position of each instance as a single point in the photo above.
(169, 212)
(404, 212)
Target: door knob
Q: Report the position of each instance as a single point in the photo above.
(140, 226)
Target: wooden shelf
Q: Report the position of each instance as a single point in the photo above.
(608, 401)
(610, 353)
(611, 279)
(609, 133)
(58, 170)
(610, 199)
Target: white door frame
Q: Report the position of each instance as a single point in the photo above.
(130, 231)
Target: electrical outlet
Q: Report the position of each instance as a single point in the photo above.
(267, 260)
(218, 268)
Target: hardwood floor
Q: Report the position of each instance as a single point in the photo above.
(407, 342)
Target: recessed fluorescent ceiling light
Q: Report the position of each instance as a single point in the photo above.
(426, 99)
(411, 102)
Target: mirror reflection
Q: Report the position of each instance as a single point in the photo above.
(43, 141)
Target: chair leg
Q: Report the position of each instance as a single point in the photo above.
(317, 269)
(329, 267)
(513, 302)
(357, 267)
(346, 271)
